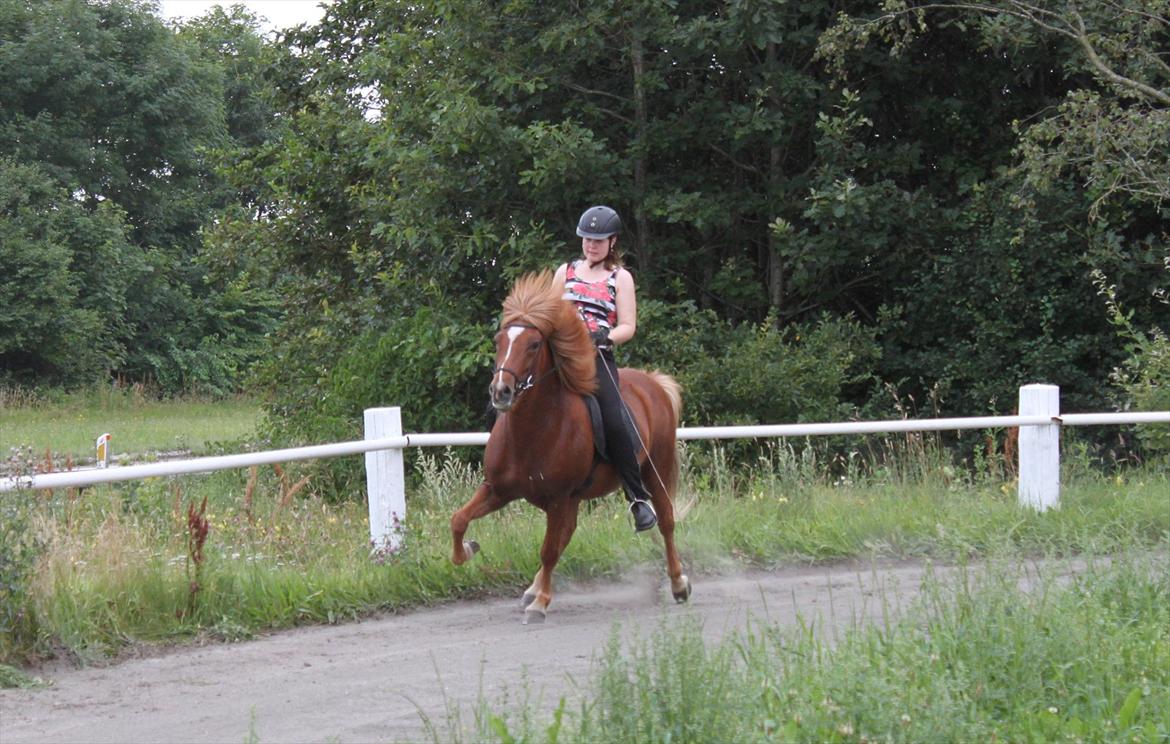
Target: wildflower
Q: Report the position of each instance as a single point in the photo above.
(905, 719)
(845, 729)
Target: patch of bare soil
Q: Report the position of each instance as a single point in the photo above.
(376, 680)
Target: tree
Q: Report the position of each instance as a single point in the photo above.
(1112, 134)
(1085, 195)
(110, 103)
(429, 152)
(125, 115)
(65, 272)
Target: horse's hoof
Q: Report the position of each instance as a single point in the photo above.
(533, 616)
(685, 594)
(470, 548)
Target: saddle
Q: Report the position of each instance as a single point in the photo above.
(594, 408)
(600, 449)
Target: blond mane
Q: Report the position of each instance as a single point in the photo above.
(536, 300)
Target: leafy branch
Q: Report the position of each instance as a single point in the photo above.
(1067, 22)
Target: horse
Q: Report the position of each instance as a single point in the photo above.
(541, 446)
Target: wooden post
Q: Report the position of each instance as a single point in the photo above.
(385, 481)
(1040, 449)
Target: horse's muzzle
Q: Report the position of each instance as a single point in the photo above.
(502, 395)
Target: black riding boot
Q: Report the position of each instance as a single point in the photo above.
(622, 442)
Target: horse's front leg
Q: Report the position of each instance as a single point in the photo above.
(530, 592)
(560, 523)
(484, 502)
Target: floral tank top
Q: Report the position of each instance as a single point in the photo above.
(595, 301)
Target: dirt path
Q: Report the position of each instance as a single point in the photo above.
(374, 681)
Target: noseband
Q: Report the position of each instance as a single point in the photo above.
(529, 382)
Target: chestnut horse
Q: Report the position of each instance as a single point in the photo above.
(541, 446)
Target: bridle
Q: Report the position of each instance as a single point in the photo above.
(529, 382)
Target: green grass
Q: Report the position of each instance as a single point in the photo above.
(86, 574)
(13, 678)
(67, 425)
(976, 659)
(112, 565)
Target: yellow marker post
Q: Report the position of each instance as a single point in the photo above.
(103, 450)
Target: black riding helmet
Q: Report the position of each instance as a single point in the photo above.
(599, 222)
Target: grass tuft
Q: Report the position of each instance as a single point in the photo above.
(1003, 654)
(13, 678)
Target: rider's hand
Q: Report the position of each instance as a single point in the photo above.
(600, 338)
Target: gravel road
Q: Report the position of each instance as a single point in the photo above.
(378, 680)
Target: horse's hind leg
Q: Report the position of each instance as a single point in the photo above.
(661, 492)
(560, 523)
(484, 502)
(680, 585)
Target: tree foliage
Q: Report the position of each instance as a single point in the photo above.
(123, 116)
(65, 273)
(768, 173)
(817, 205)
(1085, 192)
(1111, 134)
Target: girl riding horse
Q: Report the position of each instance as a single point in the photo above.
(541, 447)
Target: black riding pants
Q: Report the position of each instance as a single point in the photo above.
(620, 438)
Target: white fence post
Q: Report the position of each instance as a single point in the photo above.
(385, 480)
(1040, 448)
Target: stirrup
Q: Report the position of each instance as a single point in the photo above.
(644, 518)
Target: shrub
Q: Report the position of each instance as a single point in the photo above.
(1143, 378)
(19, 549)
(754, 373)
(431, 363)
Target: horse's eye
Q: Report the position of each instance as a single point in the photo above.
(534, 346)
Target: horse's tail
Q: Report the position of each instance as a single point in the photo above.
(673, 391)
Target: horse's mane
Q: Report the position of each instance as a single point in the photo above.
(536, 300)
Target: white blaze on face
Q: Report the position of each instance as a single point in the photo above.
(513, 334)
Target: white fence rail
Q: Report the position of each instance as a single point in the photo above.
(1039, 452)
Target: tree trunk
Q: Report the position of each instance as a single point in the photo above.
(775, 261)
(641, 137)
